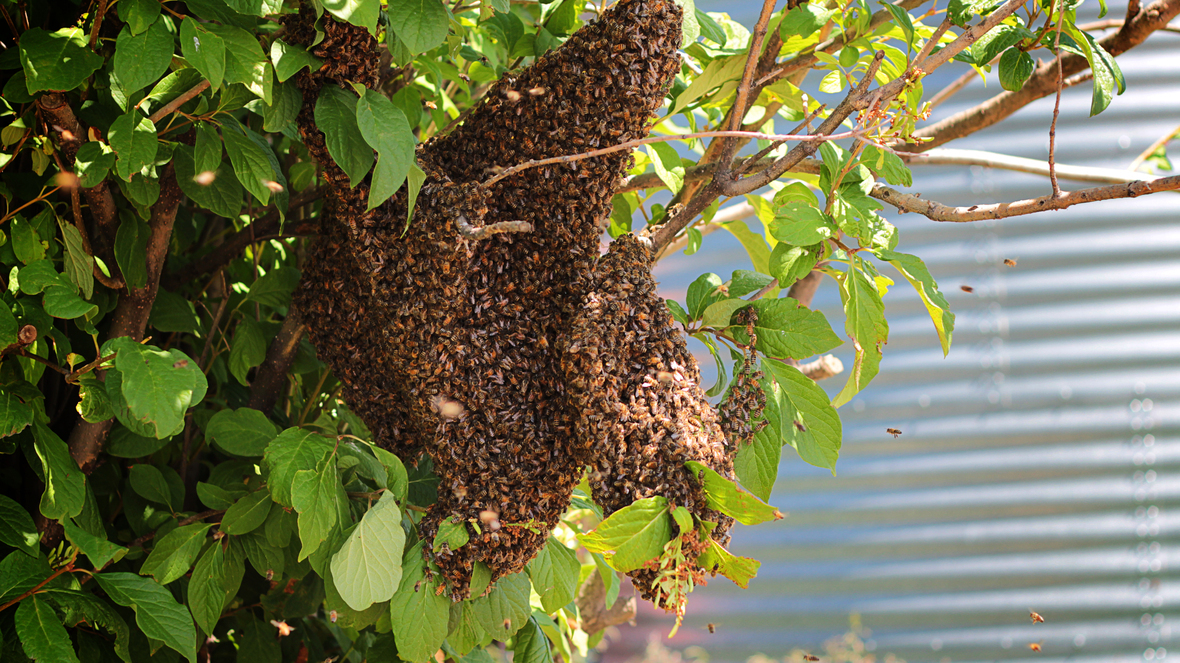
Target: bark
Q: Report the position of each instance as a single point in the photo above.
(272, 375)
(55, 108)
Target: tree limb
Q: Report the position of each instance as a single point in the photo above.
(55, 108)
(272, 375)
(1043, 82)
(131, 313)
(938, 212)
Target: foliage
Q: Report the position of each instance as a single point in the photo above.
(142, 144)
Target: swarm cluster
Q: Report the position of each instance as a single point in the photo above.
(745, 402)
(638, 390)
(454, 346)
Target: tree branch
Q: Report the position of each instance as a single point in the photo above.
(272, 375)
(939, 212)
(131, 313)
(179, 101)
(741, 103)
(1043, 82)
(471, 232)
(55, 108)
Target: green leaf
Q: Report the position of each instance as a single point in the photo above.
(755, 246)
(93, 403)
(678, 312)
(247, 514)
(79, 607)
(756, 464)
(64, 303)
(139, 15)
(506, 608)
(26, 242)
(744, 282)
(554, 573)
(245, 62)
(666, 162)
(249, 161)
(207, 152)
(1016, 67)
(414, 182)
(131, 249)
(464, 632)
(288, 59)
(418, 616)
(281, 114)
(960, 11)
(275, 287)
(294, 450)
(1108, 77)
(59, 60)
(20, 573)
(142, 59)
(804, 20)
(206, 589)
(385, 128)
(996, 41)
(173, 313)
(65, 483)
(100, 551)
(724, 495)
(174, 553)
(864, 321)
(92, 163)
(243, 432)
(123, 443)
(420, 24)
(157, 387)
(722, 376)
(531, 645)
(314, 494)
(367, 569)
(817, 437)
(634, 535)
(738, 569)
(336, 116)
(149, 483)
(16, 412)
(79, 265)
(787, 330)
(222, 195)
(719, 313)
(156, 612)
(247, 350)
(914, 270)
(204, 50)
(702, 292)
(41, 633)
(17, 528)
(720, 72)
(133, 137)
(887, 165)
(453, 535)
(790, 264)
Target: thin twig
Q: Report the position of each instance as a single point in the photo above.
(102, 10)
(762, 292)
(179, 101)
(743, 91)
(1146, 154)
(938, 212)
(42, 360)
(507, 172)
(68, 568)
(471, 232)
(1056, 103)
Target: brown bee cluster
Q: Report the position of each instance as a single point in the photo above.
(745, 402)
(453, 345)
(638, 390)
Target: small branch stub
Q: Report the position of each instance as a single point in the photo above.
(471, 232)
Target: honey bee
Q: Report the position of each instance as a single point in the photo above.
(1036, 618)
(809, 657)
(1035, 646)
(893, 431)
(712, 627)
(966, 288)
(1010, 262)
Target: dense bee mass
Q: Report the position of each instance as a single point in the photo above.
(637, 388)
(514, 359)
(741, 412)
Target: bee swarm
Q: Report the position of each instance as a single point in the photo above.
(474, 347)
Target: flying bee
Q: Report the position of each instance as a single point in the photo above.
(1035, 646)
(1010, 262)
(966, 288)
(893, 431)
(712, 627)
(1036, 617)
(809, 657)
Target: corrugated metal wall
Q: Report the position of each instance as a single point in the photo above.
(1037, 465)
